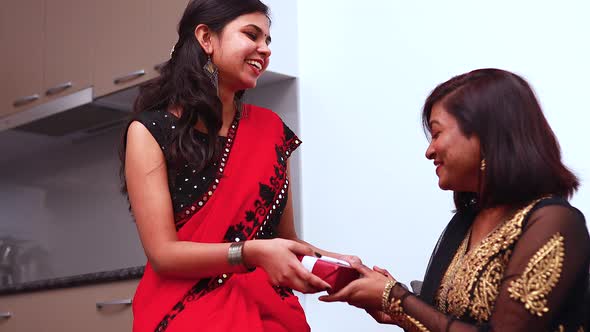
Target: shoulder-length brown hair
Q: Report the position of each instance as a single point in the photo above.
(523, 158)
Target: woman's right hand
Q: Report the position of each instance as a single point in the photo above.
(278, 257)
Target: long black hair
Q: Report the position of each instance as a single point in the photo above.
(183, 83)
(523, 158)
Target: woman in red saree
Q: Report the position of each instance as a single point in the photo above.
(208, 183)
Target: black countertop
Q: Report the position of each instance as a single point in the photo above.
(74, 281)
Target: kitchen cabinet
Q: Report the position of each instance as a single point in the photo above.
(100, 307)
(21, 68)
(68, 47)
(121, 43)
(165, 15)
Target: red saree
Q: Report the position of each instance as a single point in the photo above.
(244, 202)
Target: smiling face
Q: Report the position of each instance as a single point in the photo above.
(457, 157)
(240, 51)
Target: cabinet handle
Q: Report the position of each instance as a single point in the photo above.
(25, 100)
(58, 89)
(129, 77)
(100, 305)
(5, 315)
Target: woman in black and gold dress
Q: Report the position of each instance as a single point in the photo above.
(516, 255)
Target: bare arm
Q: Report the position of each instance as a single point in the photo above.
(147, 184)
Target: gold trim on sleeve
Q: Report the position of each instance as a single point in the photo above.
(408, 323)
(561, 328)
(540, 276)
(395, 310)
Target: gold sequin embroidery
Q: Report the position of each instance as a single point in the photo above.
(540, 276)
(449, 275)
(487, 289)
(561, 328)
(474, 286)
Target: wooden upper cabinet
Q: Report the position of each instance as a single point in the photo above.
(21, 64)
(51, 48)
(165, 15)
(68, 46)
(122, 42)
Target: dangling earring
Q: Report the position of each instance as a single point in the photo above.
(482, 167)
(212, 72)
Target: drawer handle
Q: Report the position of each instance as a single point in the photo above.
(129, 77)
(59, 88)
(100, 305)
(25, 100)
(5, 315)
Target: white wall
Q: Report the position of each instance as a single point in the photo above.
(365, 69)
(284, 54)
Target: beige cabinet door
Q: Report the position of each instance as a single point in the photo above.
(107, 307)
(21, 64)
(103, 307)
(121, 41)
(165, 15)
(68, 46)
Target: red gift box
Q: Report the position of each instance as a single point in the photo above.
(335, 272)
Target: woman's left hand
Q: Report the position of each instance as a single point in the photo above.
(365, 292)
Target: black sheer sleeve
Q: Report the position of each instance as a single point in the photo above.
(546, 276)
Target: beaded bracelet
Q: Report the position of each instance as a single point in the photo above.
(385, 297)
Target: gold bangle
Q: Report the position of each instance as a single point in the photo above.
(385, 297)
